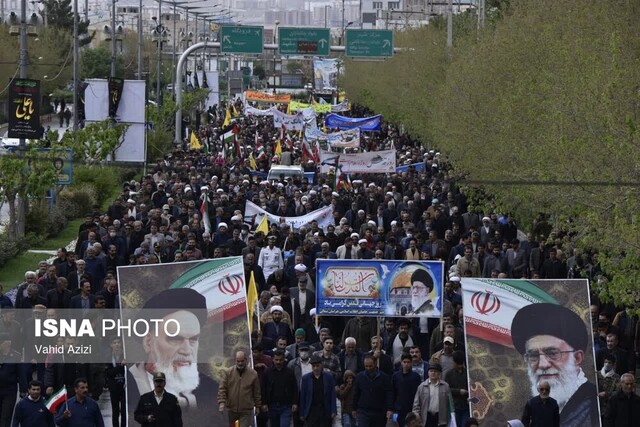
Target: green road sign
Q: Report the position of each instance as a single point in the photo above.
(369, 43)
(235, 39)
(304, 41)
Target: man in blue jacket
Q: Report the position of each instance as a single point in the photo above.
(318, 396)
(80, 410)
(373, 397)
(31, 411)
(405, 382)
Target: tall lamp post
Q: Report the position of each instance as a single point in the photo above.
(160, 31)
(325, 15)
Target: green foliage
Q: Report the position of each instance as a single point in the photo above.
(103, 179)
(95, 142)
(96, 63)
(10, 248)
(75, 200)
(59, 14)
(548, 92)
(258, 71)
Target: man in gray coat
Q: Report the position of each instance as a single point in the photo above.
(432, 399)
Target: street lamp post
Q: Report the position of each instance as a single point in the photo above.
(325, 15)
(113, 38)
(140, 46)
(160, 31)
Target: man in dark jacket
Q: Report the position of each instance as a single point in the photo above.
(624, 406)
(31, 411)
(404, 383)
(158, 408)
(115, 379)
(9, 379)
(541, 410)
(318, 396)
(279, 392)
(373, 397)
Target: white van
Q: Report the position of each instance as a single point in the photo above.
(288, 171)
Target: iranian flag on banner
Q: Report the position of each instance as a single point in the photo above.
(56, 400)
(491, 304)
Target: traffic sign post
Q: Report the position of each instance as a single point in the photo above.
(243, 39)
(369, 43)
(304, 41)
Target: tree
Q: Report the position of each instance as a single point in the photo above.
(539, 110)
(96, 63)
(24, 176)
(258, 71)
(95, 142)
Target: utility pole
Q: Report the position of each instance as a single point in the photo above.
(450, 24)
(140, 46)
(160, 30)
(113, 38)
(75, 66)
(23, 52)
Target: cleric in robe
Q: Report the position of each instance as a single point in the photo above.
(177, 358)
(554, 343)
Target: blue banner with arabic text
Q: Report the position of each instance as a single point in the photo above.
(360, 287)
(372, 123)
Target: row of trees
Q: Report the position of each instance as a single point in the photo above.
(540, 109)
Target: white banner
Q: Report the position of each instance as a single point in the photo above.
(374, 162)
(253, 215)
(349, 138)
(291, 122)
(252, 111)
(339, 108)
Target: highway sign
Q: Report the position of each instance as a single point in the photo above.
(241, 39)
(304, 41)
(369, 43)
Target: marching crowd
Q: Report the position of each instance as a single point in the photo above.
(306, 369)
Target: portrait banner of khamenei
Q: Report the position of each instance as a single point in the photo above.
(521, 332)
(208, 301)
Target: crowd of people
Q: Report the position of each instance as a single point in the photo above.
(304, 368)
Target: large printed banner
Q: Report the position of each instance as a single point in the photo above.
(253, 111)
(253, 214)
(252, 95)
(519, 332)
(208, 301)
(358, 287)
(372, 123)
(370, 162)
(263, 175)
(339, 108)
(289, 121)
(325, 73)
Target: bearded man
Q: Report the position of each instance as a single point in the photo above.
(553, 340)
(177, 358)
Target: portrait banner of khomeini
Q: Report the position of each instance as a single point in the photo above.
(207, 299)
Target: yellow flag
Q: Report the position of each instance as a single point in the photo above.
(252, 162)
(194, 143)
(235, 111)
(264, 225)
(252, 297)
(227, 118)
(289, 108)
(278, 149)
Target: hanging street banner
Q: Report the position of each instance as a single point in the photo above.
(207, 301)
(360, 287)
(115, 95)
(253, 214)
(370, 162)
(344, 139)
(511, 328)
(24, 109)
(289, 121)
(253, 111)
(367, 123)
(253, 95)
